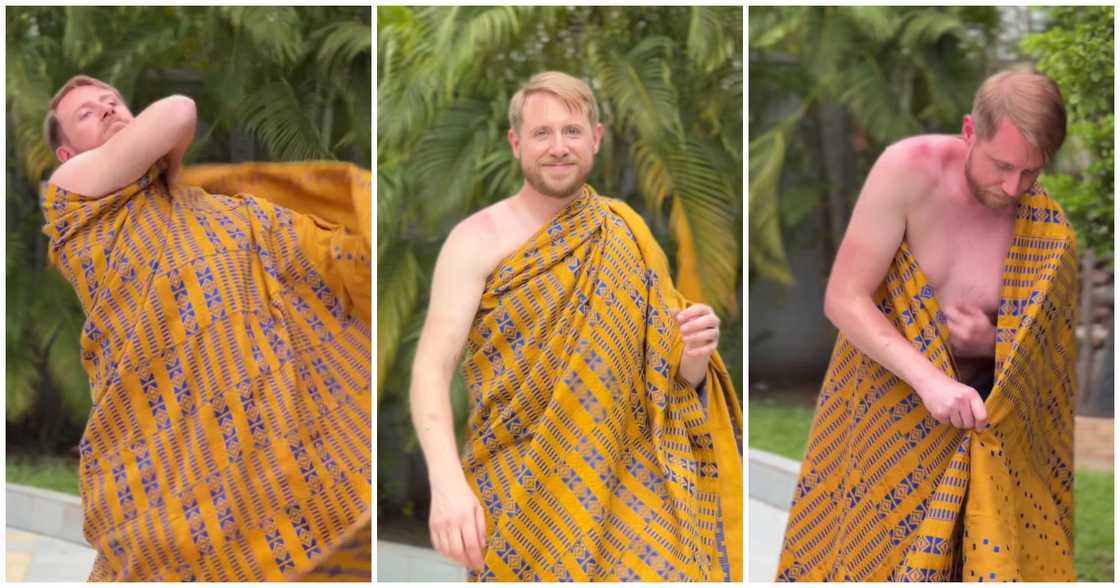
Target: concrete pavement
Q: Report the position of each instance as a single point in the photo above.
(43, 536)
(31, 557)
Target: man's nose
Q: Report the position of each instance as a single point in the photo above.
(1010, 183)
(558, 146)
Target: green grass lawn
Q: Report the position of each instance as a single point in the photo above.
(51, 472)
(783, 428)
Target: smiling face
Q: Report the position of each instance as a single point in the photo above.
(89, 116)
(555, 145)
(1002, 168)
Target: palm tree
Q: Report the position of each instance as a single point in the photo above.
(280, 83)
(669, 85)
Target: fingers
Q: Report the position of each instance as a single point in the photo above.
(480, 525)
(702, 350)
(437, 540)
(455, 545)
(702, 337)
(472, 551)
(966, 411)
(966, 420)
(693, 311)
(980, 412)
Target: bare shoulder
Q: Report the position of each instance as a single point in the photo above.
(923, 158)
(474, 242)
(912, 168)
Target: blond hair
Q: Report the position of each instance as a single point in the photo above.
(1030, 100)
(52, 127)
(573, 92)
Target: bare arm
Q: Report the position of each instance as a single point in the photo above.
(456, 292)
(456, 522)
(875, 231)
(164, 128)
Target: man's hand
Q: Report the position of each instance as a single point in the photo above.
(971, 332)
(952, 402)
(700, 330)
(457, 523)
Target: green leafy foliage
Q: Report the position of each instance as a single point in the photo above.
(1077, 52)
(271, 83)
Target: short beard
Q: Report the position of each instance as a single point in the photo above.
(978, 192)
(563, 192)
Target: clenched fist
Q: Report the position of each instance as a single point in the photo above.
(971, 332)
(699, 326)
(952, 402)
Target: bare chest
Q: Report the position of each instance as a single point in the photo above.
(514, 232)
(961, 254)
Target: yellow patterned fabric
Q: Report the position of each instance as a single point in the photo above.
(592, 459)
(888, 494)
(228, 348)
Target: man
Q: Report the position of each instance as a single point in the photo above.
(955, 283)
(227, 343)
(602, 440)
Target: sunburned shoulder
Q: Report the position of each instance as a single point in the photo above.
(922, 159)
(481, 227)
(478, 238)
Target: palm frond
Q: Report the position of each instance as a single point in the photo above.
(869, 96)
(398, 289)
(639, 86)
(82, 44)
(21, 383)
(927, 27)
(706, 206)
(709, 45)
(65, 370)
(878, 23)
(447, 157)
(280, 120)
(274, 30)
(341, 43)
(28, 98)
(767, 254)
(773, 26)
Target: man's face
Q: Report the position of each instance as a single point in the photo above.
(556, 147)
(89, 116)
(1001, 169)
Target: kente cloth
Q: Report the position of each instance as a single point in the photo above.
(888, 494)
(592, 458)
(228, 350)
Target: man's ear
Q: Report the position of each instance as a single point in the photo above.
(514, 143)
(598, 137)
(63, 153)
(968, 128)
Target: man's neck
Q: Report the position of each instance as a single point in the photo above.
(541, 207)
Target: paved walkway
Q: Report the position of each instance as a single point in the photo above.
(37, 558)
(765, 526)
(1093, 443)
(397, 562)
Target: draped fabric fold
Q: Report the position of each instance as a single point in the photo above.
(592, 458)
(227, 343)
(888, 494)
